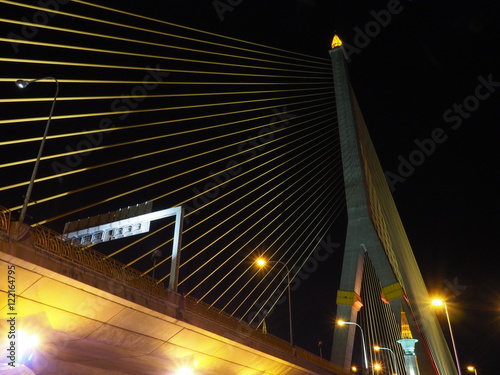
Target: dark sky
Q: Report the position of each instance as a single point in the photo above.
(417, 68)
(421, 70)
(410, 81)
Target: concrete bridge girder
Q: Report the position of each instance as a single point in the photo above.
(89, 323)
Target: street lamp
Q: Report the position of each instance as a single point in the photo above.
(377, 348)
(341, 323)
(23, 84)
(439, 302)
(472, 369)
(27, 346)
(186, 370)
(261, 263)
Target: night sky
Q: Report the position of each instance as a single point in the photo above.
(416, 68)
(427, 78)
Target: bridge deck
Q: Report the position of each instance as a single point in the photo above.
(91, 322)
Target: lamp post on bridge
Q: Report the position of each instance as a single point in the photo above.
(472, 369)
(341, 323)
(23, 84)
(261, 263)
(377, 348)
(440, 302)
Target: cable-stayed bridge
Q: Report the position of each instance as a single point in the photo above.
(246, 139)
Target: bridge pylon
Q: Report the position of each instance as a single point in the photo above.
(376, 248)
(361, 238)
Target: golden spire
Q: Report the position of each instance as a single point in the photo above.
(336, 42)
(405, 327)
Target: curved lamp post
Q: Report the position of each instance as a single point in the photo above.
(341, 323)
(377, 348)
(23, 84)
(439, 302)
(261, 263)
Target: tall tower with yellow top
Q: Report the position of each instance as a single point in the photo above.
(377, 250)
(408, 343)
(364, 221)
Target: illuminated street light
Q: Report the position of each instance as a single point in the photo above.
(472, 369)
(377, 367)
(341, 323)
(23, 84)
(261, 263)
(26, 346)
(377, 348)
(439, 302)
(186, 370)
(354, 369)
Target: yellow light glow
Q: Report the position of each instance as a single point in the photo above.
(261, 262)
(185, 371)
(376, 347)
(340, 322)
(471, 368)
(437, 302)
(336, 42)
(354, 369)
(27, 344)
(377, 367)
(29, 341)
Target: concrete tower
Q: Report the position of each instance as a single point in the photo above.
(375, 232)
(408, 343)
(361, 237)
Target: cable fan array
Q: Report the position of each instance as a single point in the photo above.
(240, 134)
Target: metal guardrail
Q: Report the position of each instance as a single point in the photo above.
(49, 241)
(5, 218)
(52, 242)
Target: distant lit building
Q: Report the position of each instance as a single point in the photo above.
(408, 343)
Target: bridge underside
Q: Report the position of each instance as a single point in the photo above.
(103, 327)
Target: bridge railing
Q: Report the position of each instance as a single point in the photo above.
(5, 218)
(52, 242)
